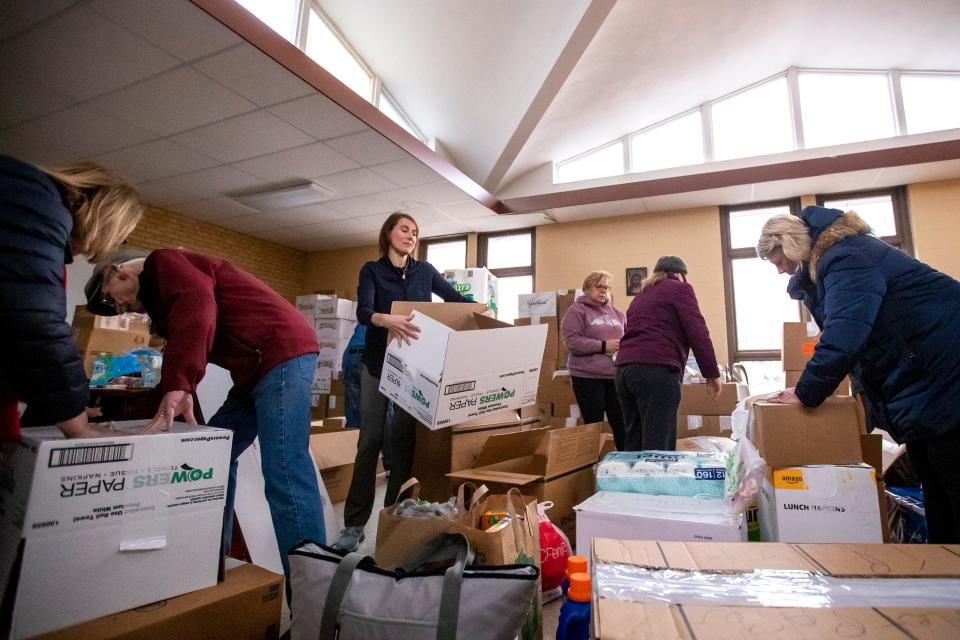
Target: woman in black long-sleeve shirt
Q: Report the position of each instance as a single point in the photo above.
(394, 277)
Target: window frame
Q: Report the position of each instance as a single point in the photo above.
(509, 272)
(729, 255)
(423, 245)
(903, 240)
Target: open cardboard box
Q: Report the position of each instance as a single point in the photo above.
(463, 366)
(335, 450)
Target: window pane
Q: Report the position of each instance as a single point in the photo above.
(447, 255)
(328, 51)
(507, 291)
(753, 123)
(509, 251)
(762, 304)
(745, 225)
(674, 144)
(845, 107)
(765, 376)
(604, 162)
(389, 108)
(931, 103)
(876, 210)
(279, 15)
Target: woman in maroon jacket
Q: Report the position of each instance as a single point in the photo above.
(212, 312)
(663, 324)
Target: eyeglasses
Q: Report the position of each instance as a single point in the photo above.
(105, 298)
(602, 288)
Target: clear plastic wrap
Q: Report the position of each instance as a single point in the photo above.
(769, 588)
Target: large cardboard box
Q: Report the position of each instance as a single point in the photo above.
(692, 426)
(793, 435)
(608, 514)
(102, 525)
(866, 613)
(335, 451)
(550, 464)
(825, 503)
(791, 378)
(245, 606)
(463, 366)
(440, 451)
(97, 341)
(799, 342)
(476, 284)
(535, 305)
(136, 322)
(325, 306)
(697, 400)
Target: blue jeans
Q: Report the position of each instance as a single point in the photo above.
(277, 412)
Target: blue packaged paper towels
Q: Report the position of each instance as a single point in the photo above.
(664, 473)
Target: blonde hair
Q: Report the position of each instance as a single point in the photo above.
(787, 232)
(594, 278)
(652, 280)
(105, 208)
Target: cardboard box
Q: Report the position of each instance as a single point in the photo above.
(245, 606)
(106, 524)
(323, 306)
(96, 341)
(608, 514)
(793, 435)
(697, 400)
(334, 329)
(335, 451)
(798, 345)
(136, 322)
(440, 451)
(607, 445)
(826, 503)
(464, 365)
(791, 378)
(535, 305)
(476, 284)
(548, 463)
(729, 618)
(692, 426)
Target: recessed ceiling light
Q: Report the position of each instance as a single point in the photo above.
(288, 197)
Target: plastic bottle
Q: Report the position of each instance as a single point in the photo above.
(575, 564)
(575, 613)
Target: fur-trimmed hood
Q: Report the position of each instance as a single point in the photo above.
(827, 228)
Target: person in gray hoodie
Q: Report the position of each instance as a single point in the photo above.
(591, 328)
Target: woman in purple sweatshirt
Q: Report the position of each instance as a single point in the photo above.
(591, 329)
(663, 324)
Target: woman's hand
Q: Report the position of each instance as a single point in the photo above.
(398, 325)
(79, 427)
(613, 345)
(787, 396)
(715, 387)
(174, 403)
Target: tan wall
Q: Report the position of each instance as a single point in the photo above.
(337, 269)
(567, 252)
(934, 207)
(280, 267)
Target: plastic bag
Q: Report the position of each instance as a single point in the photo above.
(554, 550)
(746, 470)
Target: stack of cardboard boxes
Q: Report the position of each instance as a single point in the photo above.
(108, 334)
(333, 319)
(799, 342)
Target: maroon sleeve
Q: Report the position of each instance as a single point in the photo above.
(695, 330)
(573, 330)
(186, 298)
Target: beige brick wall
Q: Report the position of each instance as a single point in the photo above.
(280, 267)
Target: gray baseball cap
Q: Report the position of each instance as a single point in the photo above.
(672, 264)
(94, 287)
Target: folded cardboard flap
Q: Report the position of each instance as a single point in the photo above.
(886, 560)
(546, 452)
(457, 316)
(334, 448)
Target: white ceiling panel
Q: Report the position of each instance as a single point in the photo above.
(301, 216)
(174, 101)
(350, 240)
(449, 228)
(466, 210)
(406, 173)
(32, 150)
(155, 160)
(159, 193)
(438, 193)
(243, 137)
(254, 75)
(247, 224)
(368, 148)
(357, 182)
(17, 15)
(319, 116)
(338, 228)
(309, 161)
(176, 26)
(374, 203)
(214, 210)
(209, 183)
(25, 99)
(84, 131)
(425, 216)
(82, 54)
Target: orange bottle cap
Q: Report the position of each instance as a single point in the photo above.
(579, 590)
(576, 564)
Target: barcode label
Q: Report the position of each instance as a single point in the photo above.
(395, 362)
(460, 387)
(90, 455)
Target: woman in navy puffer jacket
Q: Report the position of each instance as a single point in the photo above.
(892, 321)
(47, 216)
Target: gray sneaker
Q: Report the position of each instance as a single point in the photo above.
(350, 539)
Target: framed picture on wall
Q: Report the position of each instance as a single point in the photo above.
(635, 278)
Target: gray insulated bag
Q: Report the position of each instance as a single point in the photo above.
(350, 598)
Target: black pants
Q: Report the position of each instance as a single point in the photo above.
(403, 433)
(935, 461)
(596, 396)
(649, 396)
